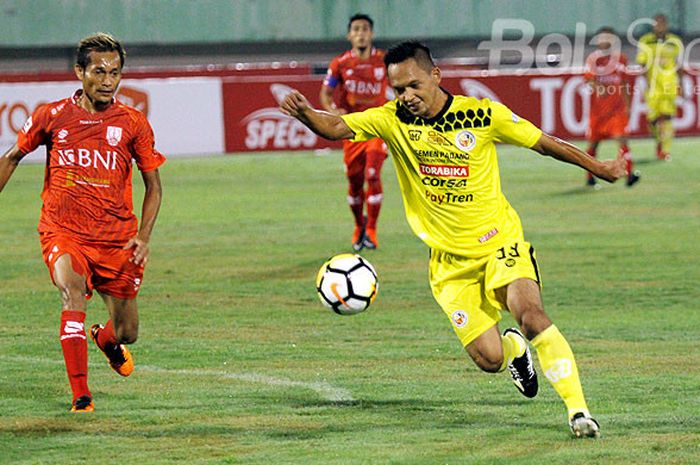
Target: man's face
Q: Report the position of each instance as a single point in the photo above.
(660, 26)
(416, 88)
(101, 77)
(360, 34)
(605, 40)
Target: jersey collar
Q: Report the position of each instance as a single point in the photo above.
(407, 117)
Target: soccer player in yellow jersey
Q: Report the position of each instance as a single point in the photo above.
(445, 157)
(658, 53)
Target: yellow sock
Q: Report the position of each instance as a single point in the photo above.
(512, 348)
(666, 135)
(559, 367)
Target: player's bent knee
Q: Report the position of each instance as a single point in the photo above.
(73, 296)
(490, 363)
(489, 366)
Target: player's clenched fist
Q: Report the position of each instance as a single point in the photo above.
(294, 104)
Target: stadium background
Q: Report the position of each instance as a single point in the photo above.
(225, 65)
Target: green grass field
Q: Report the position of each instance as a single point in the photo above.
(238, 363)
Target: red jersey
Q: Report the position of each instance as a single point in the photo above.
(610, 78)
(87, 182)
(362, 82)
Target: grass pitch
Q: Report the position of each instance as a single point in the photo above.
(237, 361)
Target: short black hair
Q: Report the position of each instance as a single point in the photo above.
(605, 30)
(98, 42)
(361, 17)
(410, 49)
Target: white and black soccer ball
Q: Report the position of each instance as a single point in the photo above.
(347, 284)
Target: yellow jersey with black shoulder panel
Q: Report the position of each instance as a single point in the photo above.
(447, 169)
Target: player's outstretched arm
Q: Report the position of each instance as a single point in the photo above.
(609, 170)
(321, 122)
(8, 163)
(149, 212)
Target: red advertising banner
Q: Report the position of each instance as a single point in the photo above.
(244, 103)
(557, 103)
(253, 122)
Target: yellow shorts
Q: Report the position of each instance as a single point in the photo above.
(660, 104)
(464, 287)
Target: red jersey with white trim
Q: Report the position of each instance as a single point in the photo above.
(362, 83)
(87, 182)
(609, 75)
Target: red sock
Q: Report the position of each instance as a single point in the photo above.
(627, 156)
(374, 187)
(74, 345)
(106, 337)
(374, 203)
(356, 197)
(591, 152)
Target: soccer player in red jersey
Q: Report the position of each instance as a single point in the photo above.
(360, 78)
(89, 235)
(606, 73)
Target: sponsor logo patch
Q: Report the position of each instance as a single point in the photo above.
(465, 140)
(448, 171)
(460, 318)
(488, 235)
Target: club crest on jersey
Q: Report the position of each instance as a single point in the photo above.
(114, 135)
(378, 74)
(460, 318)
(465, 140)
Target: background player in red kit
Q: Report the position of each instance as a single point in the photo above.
(359, 75)
(606, 73)
(89, 234)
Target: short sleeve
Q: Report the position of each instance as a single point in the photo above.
(332, 78)
(509, 128)
(644, 51)
(34, 132)
(369, 124)
(144, 152)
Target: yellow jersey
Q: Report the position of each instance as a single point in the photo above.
(447, 169)
(660, 59)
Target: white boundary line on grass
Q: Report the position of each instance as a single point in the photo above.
(323, 389)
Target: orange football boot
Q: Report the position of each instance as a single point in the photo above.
(119, 358)
(83, 404)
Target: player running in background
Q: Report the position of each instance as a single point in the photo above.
(444, 150)
(89, 235)
(606, 74)
(359, 77)
(658, 53)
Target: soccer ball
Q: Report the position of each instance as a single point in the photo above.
(347, 284)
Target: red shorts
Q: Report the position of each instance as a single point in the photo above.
(607, 126)
(358, 155)
(106, 268)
